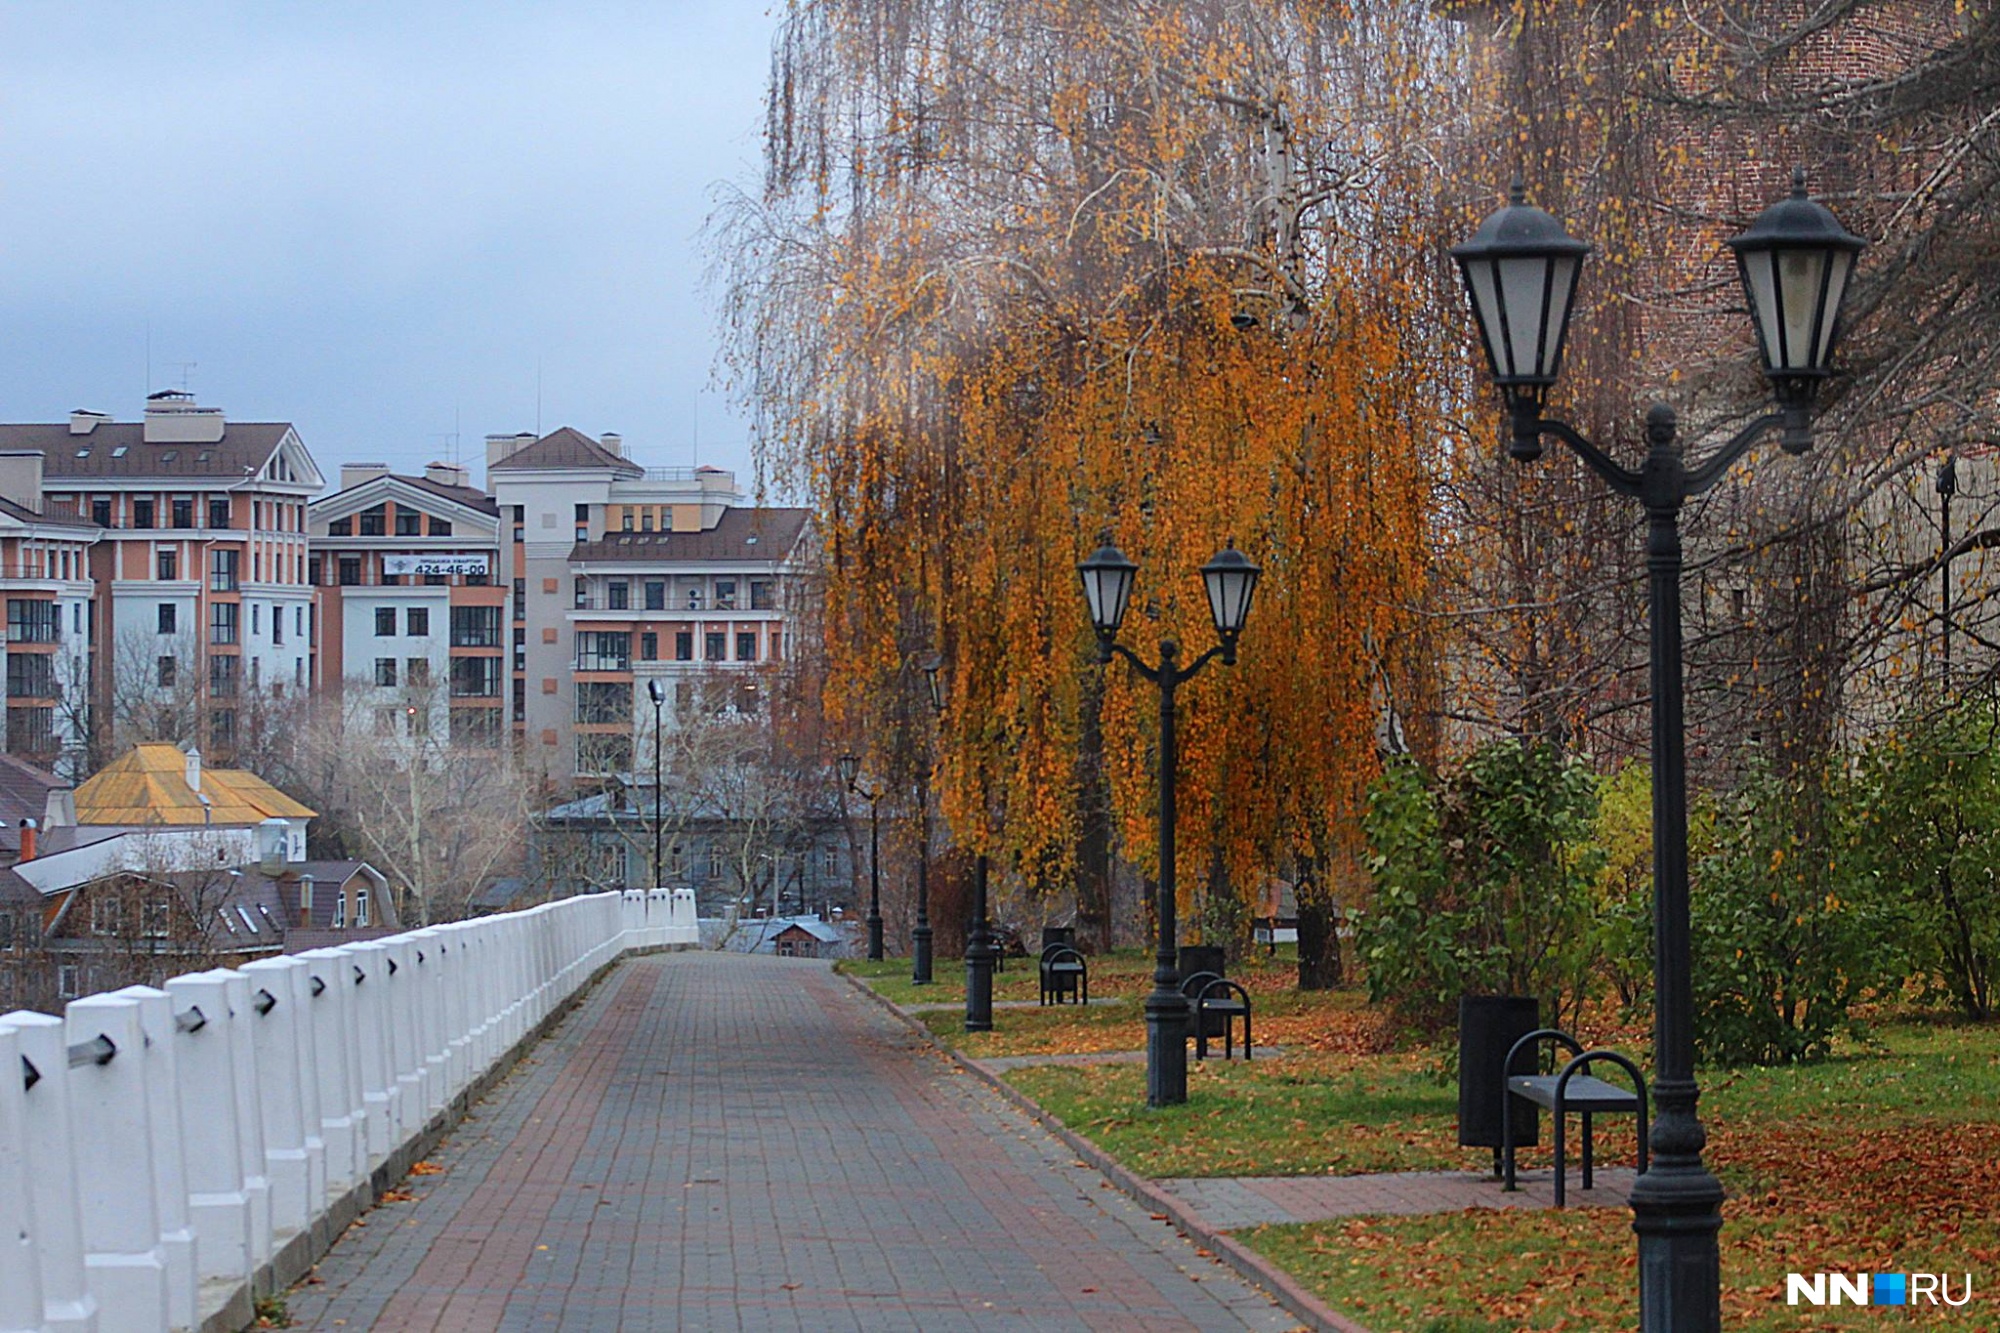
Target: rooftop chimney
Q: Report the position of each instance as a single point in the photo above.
(173, 417)
(83, 421)
(59, 808)
(447, 474)
(615, 443)
(501, 447)
(21, 477)
(354, 474)
(194, 770)
(27, 840)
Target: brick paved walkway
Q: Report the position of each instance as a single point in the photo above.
(1248, 1201)
(719, 1141)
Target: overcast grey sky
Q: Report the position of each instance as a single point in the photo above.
(366, 217)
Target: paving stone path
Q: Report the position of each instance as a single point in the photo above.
(717, 1141)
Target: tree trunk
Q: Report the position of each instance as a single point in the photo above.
(1319, 944)
(1093, 860)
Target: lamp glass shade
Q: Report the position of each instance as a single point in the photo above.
(1231, 579)
(1520, 271)
(850, 768)
(1795, 261)
(1107, 586)
(656, 689)
(935, 685)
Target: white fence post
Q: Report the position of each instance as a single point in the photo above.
(163, 1118)
(68, 1305)
(276, 1035)
(401, 1005)
(326, 1025)
(205, 1075)
(379, 1089)
(123, 1263)
(20, 1265)
(236, 988)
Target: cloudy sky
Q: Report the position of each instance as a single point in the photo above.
(379, 221)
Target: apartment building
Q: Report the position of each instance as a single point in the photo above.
(620, 575)
(412, 617)
(45, 580)
(195, 581)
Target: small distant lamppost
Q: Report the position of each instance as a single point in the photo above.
(1521, 270)
(1107, 586)
(850, 773)
(979, 956)
(1947, 486)
(920, 935)
(657, 689)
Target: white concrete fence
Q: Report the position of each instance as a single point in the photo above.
(166, 1155)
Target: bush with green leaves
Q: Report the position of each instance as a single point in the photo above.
(1781, 950)
(1922, 836)
(1484, 880)
(1624, 908)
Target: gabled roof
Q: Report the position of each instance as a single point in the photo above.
(469, 496)
(743, 534)
(357, 497)
(148, 785)
(564, 448)
(243, 450)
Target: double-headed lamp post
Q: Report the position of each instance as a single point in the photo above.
(1107, 586)
(850, 773)
(1521, 270)
(920, 935)
(657, 690)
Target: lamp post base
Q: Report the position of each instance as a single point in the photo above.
(920, 956)
(1677, 1213)
(979, 986)
(874, 936)
(1166, 1048)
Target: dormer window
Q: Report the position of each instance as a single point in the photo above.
(244, 913)
(83, 453)
(119, 452)
(170, 456)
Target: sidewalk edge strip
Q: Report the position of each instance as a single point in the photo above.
(1289, 1291)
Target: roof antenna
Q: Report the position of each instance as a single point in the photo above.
(538, 396)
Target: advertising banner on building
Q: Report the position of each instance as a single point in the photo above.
(434, 564)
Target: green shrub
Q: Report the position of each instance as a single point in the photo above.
(1483, 883)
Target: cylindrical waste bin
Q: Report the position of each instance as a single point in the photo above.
(1488, 1027)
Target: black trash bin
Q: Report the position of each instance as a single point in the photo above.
(1488, 1027)
(1063, 935)
(1201, 958)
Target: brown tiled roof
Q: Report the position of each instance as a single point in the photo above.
(469, 496)
(743, 534)
(244, 445)
(24, 794)
(27, 515)
(566, 447)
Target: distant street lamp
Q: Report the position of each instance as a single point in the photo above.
(1947, 486)
(850, 772)
(1520, 270)
(657, 689)
(920, 935)
(1230, 579)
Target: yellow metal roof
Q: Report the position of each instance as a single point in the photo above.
(148, 785)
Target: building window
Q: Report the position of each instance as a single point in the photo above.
(183, 511)
(520, 599)
(360, 908)
(603, 701)
(475, 677)
(222, 735)
(31, 731)
(761, 598)
(583, 513)
(223, 674)
(100, 513)
(619, 595)
(256, 619)
(646, 521)
(684, 645)
(223, 622)
(340, 911)
(520, 521)
(340, 527)
(218, 511)
(625, 521)
(142, 513)
(32, 621)
(417, 670)
(409, 523)
(31, 676)
(716, 647)
(167, 667)
(475, 627)
(350, 571)
(603, 650)
(714, 861)
(597, 753)
(649, 647)
(315, 567)
(476, 727)
(440, 527)
(656, 595)
(167, 565)
(419, 620)
(385, 622)
(520, 701)
(582, 599)
(746, 647)
(277, 624)
(725, 594)
(223, 570)
(374, 521)
(385, 672)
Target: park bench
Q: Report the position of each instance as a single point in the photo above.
(1065, 976)
(1215, 1003)
(1570, 1089)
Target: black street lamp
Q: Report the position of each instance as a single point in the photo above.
(920, 935)
(1107, 586)
(850, 771)
(1520, 270)
(979, 956)
(1947, 486)
(658, 690)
